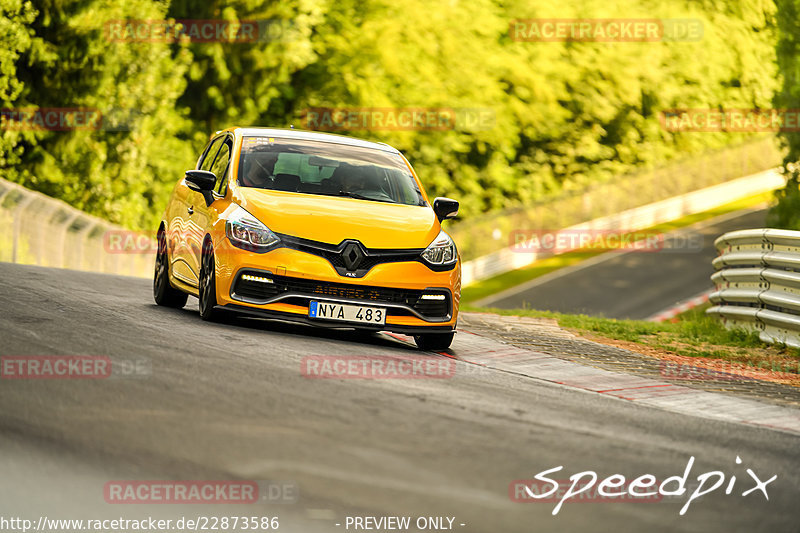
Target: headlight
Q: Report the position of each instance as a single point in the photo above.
(246, 231)
(442, 251)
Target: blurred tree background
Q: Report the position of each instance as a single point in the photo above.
(786, 214)
(564, 114)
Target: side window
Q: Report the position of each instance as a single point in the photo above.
(220, 167)
(208, 156)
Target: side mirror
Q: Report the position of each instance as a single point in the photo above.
(445, 208)
(200, 180)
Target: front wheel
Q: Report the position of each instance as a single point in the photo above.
(434, 342)
(163, 293)
(208, 285)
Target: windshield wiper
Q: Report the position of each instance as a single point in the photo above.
(362, 197)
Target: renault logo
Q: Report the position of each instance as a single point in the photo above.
(352, 254)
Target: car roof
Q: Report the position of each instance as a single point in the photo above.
(313, 136)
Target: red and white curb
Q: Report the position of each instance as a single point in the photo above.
(478, 350)
(681, 307)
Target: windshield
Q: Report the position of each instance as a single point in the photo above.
(314, 167)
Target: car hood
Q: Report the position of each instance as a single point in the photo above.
(333, 219)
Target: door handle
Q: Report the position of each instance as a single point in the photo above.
(191, 210)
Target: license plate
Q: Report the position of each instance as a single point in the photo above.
(347, 313)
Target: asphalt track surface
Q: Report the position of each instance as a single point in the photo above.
(633, 285)
(228, 401)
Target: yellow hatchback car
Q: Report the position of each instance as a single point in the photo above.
(317, 228)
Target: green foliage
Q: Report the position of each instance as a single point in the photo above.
(786, 213)
(16, 40)
(123, 175)
(692, 334)
(564, 114)
(247, 83)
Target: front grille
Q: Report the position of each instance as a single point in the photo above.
(333, 253)
(373, 258)
(304, 290)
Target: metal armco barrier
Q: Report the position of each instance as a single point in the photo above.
(639, 218)
(758, 283)
(40, 230)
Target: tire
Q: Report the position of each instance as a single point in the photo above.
(434, 342)
(207, 290)
(163, 293)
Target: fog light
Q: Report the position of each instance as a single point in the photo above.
(248, 277)
(432, 297)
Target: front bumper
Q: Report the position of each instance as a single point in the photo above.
(300, 277)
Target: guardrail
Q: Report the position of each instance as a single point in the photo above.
(635, 219)
(758, 283)
(578, 204)
(40, 230)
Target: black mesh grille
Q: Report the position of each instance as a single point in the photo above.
(334, 254)
(259, 291)
(350, 292)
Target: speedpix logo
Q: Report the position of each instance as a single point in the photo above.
(645, 488)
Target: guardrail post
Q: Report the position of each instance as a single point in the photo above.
(18, 224)
(43, 228)
(117, 259)
(82, 236)
(64, 230)
(3, 195)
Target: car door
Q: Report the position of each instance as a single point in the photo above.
(183, 227)
(203, 215)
